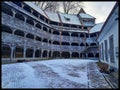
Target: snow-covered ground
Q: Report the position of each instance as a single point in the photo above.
(56, 73)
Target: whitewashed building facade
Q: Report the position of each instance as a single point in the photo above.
(29, 33)
(108, 39)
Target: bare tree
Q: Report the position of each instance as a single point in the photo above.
(72, 7)
(69, 7)
(48, 6)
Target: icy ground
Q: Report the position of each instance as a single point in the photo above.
(56, 73)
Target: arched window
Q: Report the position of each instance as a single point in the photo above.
(27, 8)
(56, 54)
(44, 54)
(56, 32)
(56, 42)
(6, 51)
(7, 10)
(19, 33)
(90, 55)
(65, 43)
(65, 55)
(93, 44)
(38, 38)
(74, 34)
(65, 33)
(31, 36)
(75, 55)
(6, 29)
(29, 52)
(81, 35)
(38, 25)
(38, 53)
(30, 21)
(45, 40)
(74, 44)
(19, 52)
(82, 44)
(19, 16)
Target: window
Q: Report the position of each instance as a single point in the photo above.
(106, 54)
(102, 53)
(111, 50)
(67, 19)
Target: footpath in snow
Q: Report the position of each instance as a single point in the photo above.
(56, 73)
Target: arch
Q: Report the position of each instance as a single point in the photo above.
(50, 41)
(73, 26)
(82, 35)
(82, 44)
(29, 52)
(6, 9)
(45, 29)
(87, 44)
(56, 54)
(17, 3)
(54, 23)
(65, 55)
(74, 34)
(90, 55)
(56, 32)
(38, 53)
(42, 17)
(38, 25)
(6, 29)
(19, 16)
(87, 35)
(97, 55)
(93, 35)
(93, 44)
(19, 52)
(38, 38)
(75, 55)
(29, 35)
(6, 51)
(19, 32)
(65, 33)
(45, 40)
(49, 54)
(30, 21)
(44, 54)
(50, 30)
(56, 42)
(65, 43)
(35, 13)
(27, 8)
(74, 44)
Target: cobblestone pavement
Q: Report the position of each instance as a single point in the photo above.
(96, 79)
(32, 75)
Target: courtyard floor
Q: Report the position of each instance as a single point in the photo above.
(55, 73)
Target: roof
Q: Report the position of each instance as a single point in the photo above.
(81, 11)
(69, 18)
(96, 28)
(53, 16)
(84, 15)
(35, 7)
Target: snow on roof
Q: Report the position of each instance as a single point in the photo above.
(35, 7)
(96, 28)
(84, 15)
(53, 16)
(76, 31)
(69, 18)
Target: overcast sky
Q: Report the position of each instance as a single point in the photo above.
(100, 10)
